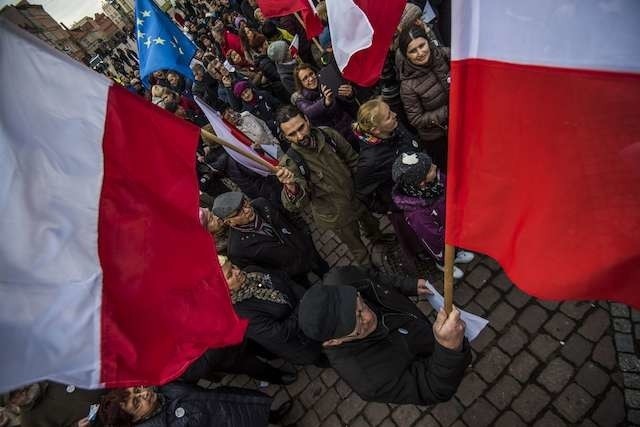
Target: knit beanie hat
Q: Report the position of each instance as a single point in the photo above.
(238, 20)
(409, 15)
(410, 168)
(239, 87)
(278, 51)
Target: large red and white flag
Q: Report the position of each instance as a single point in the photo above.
(275, 8)
(361, 34)
(106, 276)
(545, 143)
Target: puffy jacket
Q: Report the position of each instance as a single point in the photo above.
(400, 362)
(425, 93)
(426, 218)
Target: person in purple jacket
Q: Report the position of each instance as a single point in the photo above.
(321, 105)
(419, 191)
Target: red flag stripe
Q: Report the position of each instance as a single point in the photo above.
(164, 299)
(544, 177)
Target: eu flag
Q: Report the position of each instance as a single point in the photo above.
(161, 44)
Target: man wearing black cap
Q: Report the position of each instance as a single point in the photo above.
(380, 343)
(260, 234)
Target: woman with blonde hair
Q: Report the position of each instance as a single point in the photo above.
(382, 139)
(157, 95)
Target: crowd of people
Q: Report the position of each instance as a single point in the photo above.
(348, 155)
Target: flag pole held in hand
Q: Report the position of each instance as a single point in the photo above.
(211, 138)
(449, 254)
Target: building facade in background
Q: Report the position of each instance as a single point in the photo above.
(36, 20)
(119, 12)
(91, 33)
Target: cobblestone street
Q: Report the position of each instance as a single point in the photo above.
(537, 363)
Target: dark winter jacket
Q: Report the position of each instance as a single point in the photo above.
(274, 84)
(267, 66)
(186, 405)
(426, 218)
(373, 182)
(290, 250)
(264, 108)
(207, 89)
(400, 362)
(285, 70)
(425, 93)
(251, 184)
(58, 405)
(275, 326)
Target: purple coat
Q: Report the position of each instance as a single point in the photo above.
(334, 116)
(426, 218)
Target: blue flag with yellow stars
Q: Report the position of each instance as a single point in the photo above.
(161, 44)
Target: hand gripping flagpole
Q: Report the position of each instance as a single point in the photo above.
(211, 138)
(449, 255)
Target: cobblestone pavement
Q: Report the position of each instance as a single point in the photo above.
(538, 363)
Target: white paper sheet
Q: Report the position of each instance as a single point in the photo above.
(475, 324)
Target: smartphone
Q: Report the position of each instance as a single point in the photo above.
(93, 412)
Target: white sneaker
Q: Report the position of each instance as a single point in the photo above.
(457, 273)
(464, 257)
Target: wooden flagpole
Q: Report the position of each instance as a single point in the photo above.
(210, 138)
(315, 40)
(449, 256)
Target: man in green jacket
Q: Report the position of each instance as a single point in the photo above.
(318, 169)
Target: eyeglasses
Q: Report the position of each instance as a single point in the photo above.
(308, 77)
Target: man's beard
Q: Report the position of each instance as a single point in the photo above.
(307, 141)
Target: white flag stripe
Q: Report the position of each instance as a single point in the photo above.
(51, 170)
(222, 131)
(585, 34)
(350, 30)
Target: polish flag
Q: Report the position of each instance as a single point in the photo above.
(361, 34)
(231, 134)
(107, 278)
(545, 144)
(293, 47)
(275, 8)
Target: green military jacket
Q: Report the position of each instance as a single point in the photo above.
(330, 188)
